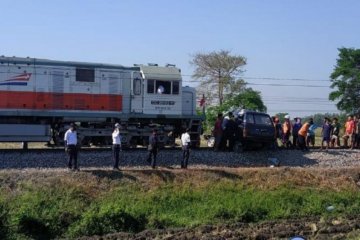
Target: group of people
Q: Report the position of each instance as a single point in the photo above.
(70, 141)
(303, 135)
(225, 129)
(224, 132)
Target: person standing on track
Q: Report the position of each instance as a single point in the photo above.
(153, 148)
(295, 129)
(231, 128)
(70, 141)
(185, 144)
(116, 147)
(286, 127)
(224, 138)
(303, 133)
(278, 130)
(335, 140)
(218, 132)
(357, 132)
(349, 132)
(326, 133)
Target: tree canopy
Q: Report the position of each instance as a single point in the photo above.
(218, 73)
(346, 80)
(247, 99)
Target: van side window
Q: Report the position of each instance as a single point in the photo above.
(262, 120)
(249, 118)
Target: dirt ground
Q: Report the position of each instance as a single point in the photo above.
(309, 228)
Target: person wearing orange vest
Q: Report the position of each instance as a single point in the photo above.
(303, 133)
(286, 128)
(349, 131)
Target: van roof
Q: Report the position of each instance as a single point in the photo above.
(243, 111)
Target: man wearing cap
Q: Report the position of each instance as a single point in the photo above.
(70, 141)
(153, 148)
(185, 144)
(116, 148)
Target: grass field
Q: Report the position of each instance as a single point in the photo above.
(38, 204)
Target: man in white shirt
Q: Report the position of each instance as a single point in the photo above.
(70, 141)
(116, 140)
(185, 144)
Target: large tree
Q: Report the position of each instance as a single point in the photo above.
(219, 74)
(346, 80)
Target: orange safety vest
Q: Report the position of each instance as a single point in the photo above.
(349, 127)
(304, 129)
(286, 127)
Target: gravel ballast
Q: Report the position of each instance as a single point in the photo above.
(333, 158)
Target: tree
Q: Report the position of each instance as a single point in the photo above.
(346, 80)
(218, 70)
(247, 99)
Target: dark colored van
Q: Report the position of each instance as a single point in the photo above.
(255, 129)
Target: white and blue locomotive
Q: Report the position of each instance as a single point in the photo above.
(39, 98)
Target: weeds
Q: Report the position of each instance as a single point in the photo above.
(61, 210)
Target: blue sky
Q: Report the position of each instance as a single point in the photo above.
(285, 39)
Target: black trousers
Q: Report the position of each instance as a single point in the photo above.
(231, 139)
(116, 154)
(186, 155)
(72, 152)
(295, 140)
(152, 157)
(302, 142)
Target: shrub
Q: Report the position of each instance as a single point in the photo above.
(99, 223)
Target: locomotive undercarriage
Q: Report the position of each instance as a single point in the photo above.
(135, 131)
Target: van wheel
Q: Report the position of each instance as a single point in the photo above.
(239, 147)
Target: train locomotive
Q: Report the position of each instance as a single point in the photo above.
(40, 97)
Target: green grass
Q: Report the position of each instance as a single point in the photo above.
(49, 211)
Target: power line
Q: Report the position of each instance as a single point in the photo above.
(286, 85)
(274, 79)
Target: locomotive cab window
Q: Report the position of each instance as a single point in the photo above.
(150, 86)
(85, 75)
(137, 86)
(163, 87)
(175, 87)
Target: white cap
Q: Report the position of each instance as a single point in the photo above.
(117, 125)
(287, 117)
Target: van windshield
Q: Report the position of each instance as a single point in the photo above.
(262, 119)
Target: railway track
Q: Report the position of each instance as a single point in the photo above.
(91, 149)
(171, 157)
(139, 148)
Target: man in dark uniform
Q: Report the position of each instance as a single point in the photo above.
(153, 148)
(229, 131)
(70, 140)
